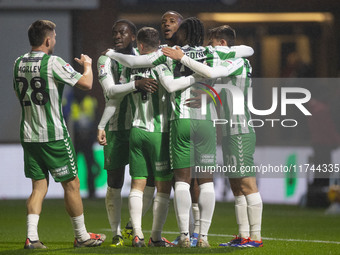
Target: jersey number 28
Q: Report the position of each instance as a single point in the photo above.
(38, 96)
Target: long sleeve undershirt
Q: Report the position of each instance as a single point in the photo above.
(209, 72)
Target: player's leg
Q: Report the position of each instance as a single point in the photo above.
(254, 206)
(113, 199)
(116, 157)
(194, 226)
(34, 205)
(206, 202)
(241, 210)
(243, 183)
(135, 209)
(160, 213)
(205, 156)
(160, 163)
(183, 203)
(139, 164)
(249, 189)
(74, 208)
(59, 158)
(148, 194)
(34, 171)
(231, 158)
(181, 161)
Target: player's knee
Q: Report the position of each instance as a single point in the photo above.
(115, 178)
(72, 185)
(248, 188)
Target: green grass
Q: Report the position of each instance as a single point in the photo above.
(279, 222)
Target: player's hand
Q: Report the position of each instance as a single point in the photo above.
(195, 102)
(104, 52)
(175, 54)
(147, 84)
(101, 137)
(84, 60)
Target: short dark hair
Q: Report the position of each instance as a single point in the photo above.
(174, 12)
(223, 32)
(149, 37)
(38, 31)
(131, 26)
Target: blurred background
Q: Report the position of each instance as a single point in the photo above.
(292, 39)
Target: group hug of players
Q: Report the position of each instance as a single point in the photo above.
(153, 121)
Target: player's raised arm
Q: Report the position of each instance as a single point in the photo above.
(130, 60)
(230, 66)
(86, 81)
(167, 80)
(242, 51)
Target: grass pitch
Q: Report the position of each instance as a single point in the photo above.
(285, 230)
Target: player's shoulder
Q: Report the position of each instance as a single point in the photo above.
(161, 68)
(102, 60)
(54, 59)
(19, 58)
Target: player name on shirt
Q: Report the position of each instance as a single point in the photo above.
(195, 54)
(29, 69)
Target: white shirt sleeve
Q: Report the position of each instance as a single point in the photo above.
(218, 71)
(107, 81)
(109, 110)
(242, 51)
(166, 78)
(173, 85)
(131, 61)
(113, 91)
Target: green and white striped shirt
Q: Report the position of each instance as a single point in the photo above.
(208, 54)
(111, 69)
(39, 81)
(150, 112)
(241, 78)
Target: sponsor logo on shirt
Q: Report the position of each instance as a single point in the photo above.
(102, 72)
(68, 68)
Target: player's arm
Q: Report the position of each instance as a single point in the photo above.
(167, 80)
(229, 68)
(141, 61)
(242, 51)
(225, 52)
(109, 110)
(131, 61)
(86, 80)
(116, 91)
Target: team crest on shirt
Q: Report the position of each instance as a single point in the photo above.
(102, 72)
(68, 68)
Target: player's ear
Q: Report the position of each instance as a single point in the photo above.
(223, 42)
(133, 37)
(47, 41)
